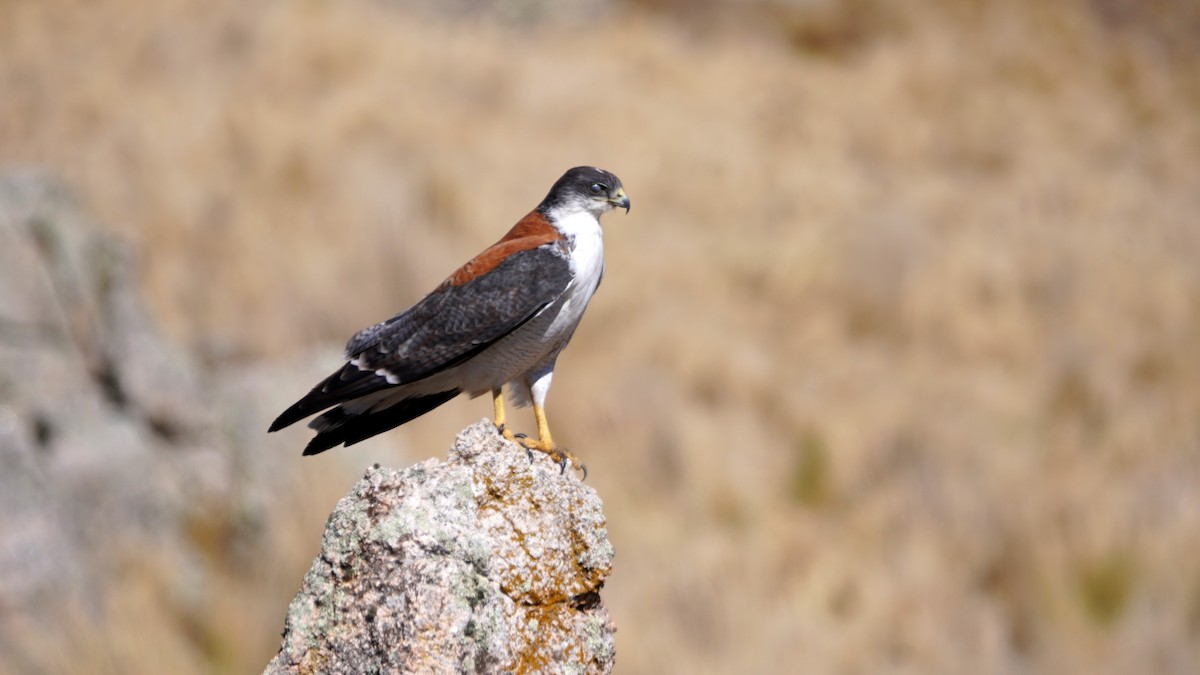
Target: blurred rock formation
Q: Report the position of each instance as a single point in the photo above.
(490, 562)
(108, 436)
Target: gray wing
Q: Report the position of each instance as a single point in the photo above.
(454, 323)
(444, 329)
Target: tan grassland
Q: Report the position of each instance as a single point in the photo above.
(896, 363)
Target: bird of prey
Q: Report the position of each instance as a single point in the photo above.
(500, 319)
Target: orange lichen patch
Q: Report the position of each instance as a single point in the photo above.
(530, 232)
(541, 621)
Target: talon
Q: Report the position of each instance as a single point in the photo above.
(563, 457)
(560, 456)
(505, 432)
(520, 436)
(575, 463)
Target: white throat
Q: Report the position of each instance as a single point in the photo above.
(574, 223)
(586, 240)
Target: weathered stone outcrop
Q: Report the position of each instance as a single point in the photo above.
(129, 472)
(102, 422)
(490, 562)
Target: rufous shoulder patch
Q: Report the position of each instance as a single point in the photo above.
(530, 232)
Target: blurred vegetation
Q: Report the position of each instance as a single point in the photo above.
(895, 363)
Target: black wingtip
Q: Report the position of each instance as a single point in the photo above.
(337, 427)
(345, 384)
(288, 417)
(318, 445)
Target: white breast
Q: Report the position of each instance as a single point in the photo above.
(587, 258)
(586, 240)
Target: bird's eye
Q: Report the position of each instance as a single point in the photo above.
(596, 188)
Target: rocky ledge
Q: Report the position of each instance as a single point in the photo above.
(492, 561)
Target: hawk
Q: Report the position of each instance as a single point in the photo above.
(501, 319)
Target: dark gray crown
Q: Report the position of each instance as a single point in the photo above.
(578, 182)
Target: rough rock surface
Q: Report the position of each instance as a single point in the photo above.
(490, 562)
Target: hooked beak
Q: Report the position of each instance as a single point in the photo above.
(620, 199)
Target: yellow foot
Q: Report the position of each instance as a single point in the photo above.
(505, 431)
(560, 455)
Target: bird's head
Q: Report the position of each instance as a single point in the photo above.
(589, 189)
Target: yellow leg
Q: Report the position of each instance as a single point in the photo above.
(545, 443)
(500, 419)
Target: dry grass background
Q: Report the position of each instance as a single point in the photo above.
(895, 367)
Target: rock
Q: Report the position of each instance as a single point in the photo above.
(490, 562)
(109, 445)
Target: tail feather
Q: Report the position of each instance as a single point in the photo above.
(346, 384)
(338, 427)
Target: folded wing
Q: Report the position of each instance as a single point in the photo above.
(446, 328)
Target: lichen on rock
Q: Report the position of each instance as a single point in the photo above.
(492, 561)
